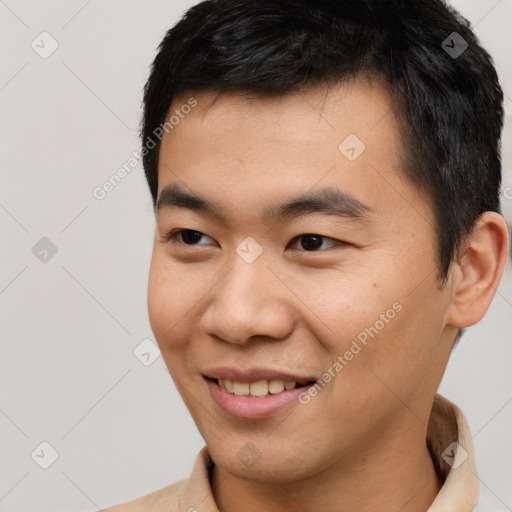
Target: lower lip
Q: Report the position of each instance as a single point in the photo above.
(253, 408)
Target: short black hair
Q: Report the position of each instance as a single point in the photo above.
(443, 84)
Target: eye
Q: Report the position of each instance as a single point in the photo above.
(310, 242)
(185, 236)
(313, 242)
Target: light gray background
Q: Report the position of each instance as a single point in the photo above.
(69, 326)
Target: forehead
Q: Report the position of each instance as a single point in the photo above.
(243, 147)
(303, 117)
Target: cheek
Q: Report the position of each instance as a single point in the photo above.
(340, 304)
(174, 297)
(374, 323)
(395, 347)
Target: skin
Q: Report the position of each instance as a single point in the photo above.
(360, 443)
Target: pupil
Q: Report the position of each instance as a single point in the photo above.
(311, 242)
(191, 237)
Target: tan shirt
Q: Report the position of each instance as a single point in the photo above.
(454, 463)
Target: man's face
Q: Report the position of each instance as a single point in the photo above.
(254, 297)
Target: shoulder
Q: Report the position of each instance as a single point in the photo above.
(162, 500)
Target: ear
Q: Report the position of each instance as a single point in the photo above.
(477, 272)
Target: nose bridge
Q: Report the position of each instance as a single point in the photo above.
(248, 302)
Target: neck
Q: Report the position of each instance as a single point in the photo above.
(393, 473)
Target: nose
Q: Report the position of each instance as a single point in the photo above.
(249, 302)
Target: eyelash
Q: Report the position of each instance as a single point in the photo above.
(173, 238)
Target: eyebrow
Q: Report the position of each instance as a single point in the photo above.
(327, 201)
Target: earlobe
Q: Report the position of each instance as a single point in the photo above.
(477, 272)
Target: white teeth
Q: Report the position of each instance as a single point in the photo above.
(259, 388)
(241, 388)
(275, 386)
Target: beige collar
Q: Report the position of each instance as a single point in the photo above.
(448, 438)
(451, 445)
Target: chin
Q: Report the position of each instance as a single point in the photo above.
(244, 460)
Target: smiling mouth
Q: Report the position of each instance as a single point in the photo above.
(259, 388)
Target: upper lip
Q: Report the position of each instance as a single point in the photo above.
(255, 374)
